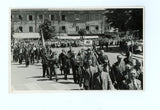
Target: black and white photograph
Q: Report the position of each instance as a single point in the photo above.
(76, 49)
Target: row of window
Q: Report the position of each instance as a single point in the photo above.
(52, 17)
(40, 17)
(63, 28)
(21, 29)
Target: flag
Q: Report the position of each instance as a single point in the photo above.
(42, 37)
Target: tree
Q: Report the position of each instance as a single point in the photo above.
(82, 32)
(125, 19)
(47, 29)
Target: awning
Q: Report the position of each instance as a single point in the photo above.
(26, 35)
(77, 37)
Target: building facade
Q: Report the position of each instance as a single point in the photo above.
(65, 22)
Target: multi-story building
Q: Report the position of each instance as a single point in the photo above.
(67, 22)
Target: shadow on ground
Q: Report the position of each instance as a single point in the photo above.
(75, 89)
(66, 82)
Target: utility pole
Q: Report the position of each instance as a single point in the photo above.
(59, 22)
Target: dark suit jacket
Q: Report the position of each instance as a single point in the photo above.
(88, 77)
(102, 81)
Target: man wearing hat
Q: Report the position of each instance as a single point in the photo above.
(117, 75)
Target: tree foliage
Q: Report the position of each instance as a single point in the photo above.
(82, 32)
(47, 29)
(125, 19)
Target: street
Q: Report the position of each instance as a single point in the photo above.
(30, 78)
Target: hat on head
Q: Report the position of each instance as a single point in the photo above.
(128, 66)
(119, 56)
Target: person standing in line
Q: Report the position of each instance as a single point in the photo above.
(117, 71)
(64, 63)
(27, 54)
(32, 54)
(53, 64)
(44, 63)
(20, 54)
(129, 59)
(138, 67)
(72, 58)
(88, 73)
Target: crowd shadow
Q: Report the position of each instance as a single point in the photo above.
(38, 65)
(76, 89)
(66, 82)
(43, 80)
(36, 77)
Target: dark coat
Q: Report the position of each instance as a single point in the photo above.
(102, 81)
(88, 77)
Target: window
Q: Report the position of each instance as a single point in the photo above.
(20, 29)
(19, 17)
(77, 17)
(97, 28)
(52, 17)
(40, 17)
(30, 18)
(77, 28)
(63, 28)
(63, 17)
(87, 28)
(30, 29)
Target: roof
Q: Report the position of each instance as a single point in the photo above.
(26, 35)
(54, 10)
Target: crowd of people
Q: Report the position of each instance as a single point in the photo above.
(91, 67)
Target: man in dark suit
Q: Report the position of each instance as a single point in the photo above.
(90, 55)
(102, 57)
(27, 54)
(117, 75)
(129, 59)
(53, 64)
(88, 73)
(64, 62)
(72, 59)
(44, 62)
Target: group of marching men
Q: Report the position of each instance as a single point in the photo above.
(91, 68)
